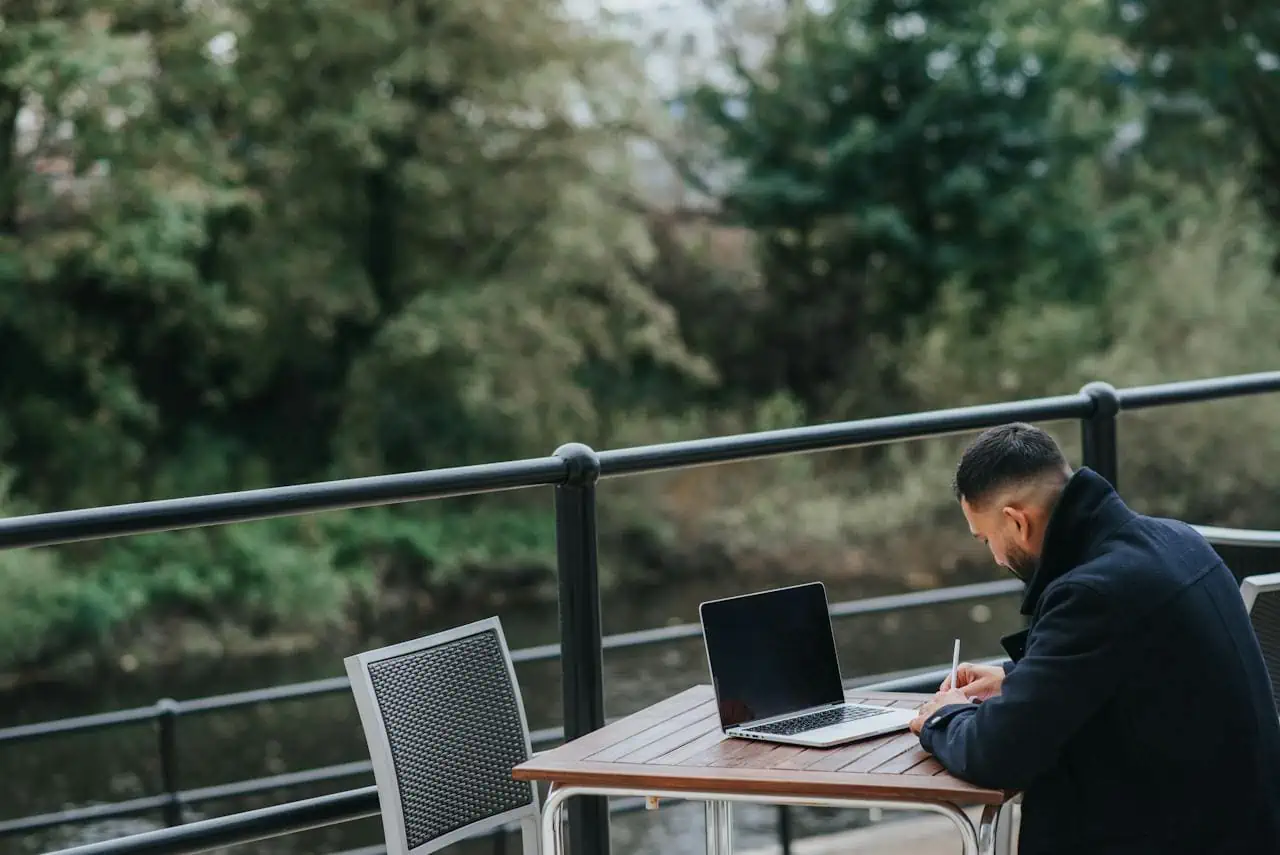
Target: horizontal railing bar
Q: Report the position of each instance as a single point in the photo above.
(628, 804)
(278, 820)
(284, 781)
(932, 597)
(90, 813)
(79, 724)
(1239, 536)
(1192, 391)
(148, 804)
(538, 653)
(829, 437)
(248, 787)
(287, 692)
(921, 680)
(194, 511)
(220, 508)
(851, 608)
(237, 829)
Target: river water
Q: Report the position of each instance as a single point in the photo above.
(121, 763)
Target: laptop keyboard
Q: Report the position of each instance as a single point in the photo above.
(815, 720)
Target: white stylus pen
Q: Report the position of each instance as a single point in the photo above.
(955, 663)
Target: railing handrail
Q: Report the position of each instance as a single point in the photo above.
(47, 529)
(1219, 536)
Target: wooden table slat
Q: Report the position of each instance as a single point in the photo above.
(883, 753)
(731, 752)
(905, 761)
(679, 756)
(677, 724)
(627, 727)
(928, 767)
(671, 741)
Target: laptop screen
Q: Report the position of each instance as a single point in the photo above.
(771, 653)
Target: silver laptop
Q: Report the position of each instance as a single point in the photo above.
(773, 663)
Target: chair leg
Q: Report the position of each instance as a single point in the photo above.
(530, 837)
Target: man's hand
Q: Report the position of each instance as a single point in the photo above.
(978, 682)
(941, 699)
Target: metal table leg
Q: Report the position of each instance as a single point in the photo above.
(719, 828)
(720, 816)
(988, 830)
(1005, 824)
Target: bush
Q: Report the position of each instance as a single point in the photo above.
(1203, 303)
(37, 599)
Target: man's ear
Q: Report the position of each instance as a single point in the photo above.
(1017, 517)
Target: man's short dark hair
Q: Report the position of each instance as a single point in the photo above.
(1005, 456)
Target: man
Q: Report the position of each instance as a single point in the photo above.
(1137, 715)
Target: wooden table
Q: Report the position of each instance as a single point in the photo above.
(675, 749)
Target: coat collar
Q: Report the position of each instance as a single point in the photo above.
(1087, 512)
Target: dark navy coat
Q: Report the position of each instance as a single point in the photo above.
(1137, 717)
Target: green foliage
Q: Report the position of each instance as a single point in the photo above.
(885, 150)
(1210, 72)
(1202, 303)
(390, 246)
(37, 604)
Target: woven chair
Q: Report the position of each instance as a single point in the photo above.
(445, 724)
(1262, 602)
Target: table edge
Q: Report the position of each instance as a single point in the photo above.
(776, 782)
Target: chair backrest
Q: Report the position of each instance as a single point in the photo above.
(1262, 601)
(445, 724)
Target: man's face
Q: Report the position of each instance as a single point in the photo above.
(1006, 532)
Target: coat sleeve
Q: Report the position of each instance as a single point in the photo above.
(1071, 668)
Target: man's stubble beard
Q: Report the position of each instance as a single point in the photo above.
(1022, 564)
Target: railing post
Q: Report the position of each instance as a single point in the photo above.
(167, 738)
(784, 829)
(1098, 431)
(581, 648)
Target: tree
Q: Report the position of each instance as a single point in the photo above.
(886, 148)
(1211, 75)
(252, 242)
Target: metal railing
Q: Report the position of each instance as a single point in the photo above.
(574, 470)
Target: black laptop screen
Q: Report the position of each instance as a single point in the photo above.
(771, 653)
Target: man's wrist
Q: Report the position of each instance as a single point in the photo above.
(937, 722)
